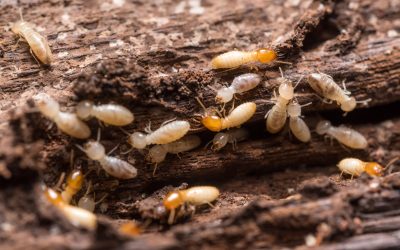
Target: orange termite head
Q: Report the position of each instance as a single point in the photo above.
(53, 196)
(374, 169)
(75, 179)
(130, 229)
(212, 122)
(266, 55)
(173, 200)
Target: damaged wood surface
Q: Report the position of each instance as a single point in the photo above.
(154, 59)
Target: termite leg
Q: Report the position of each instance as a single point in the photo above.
(283, 62)
(211, 205)
(147, 129)
(112, 150)
(208, 143)
(30, 50)
(341, 174)
(59, 182)
(344, 88)
(266, 115)
(171, 217)
(155, 169)
(168, 121)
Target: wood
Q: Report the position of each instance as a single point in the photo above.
(154, 59)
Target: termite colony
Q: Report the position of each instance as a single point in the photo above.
(172, 136)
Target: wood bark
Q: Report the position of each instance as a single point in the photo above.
(154, 59)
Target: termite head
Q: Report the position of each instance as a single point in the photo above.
(294, 109)
(224, 95)
(94, 150)
(323, 127)
(16, 27)
(373, 169)
(349, 104)
(219, 141)
(52, 196)
(286, 89)
(84, 109)
(87, 203)
(137, 140)
(157, 154)
(173, 200)
(266, 55)
(47, 105)
(75, 180)
(212, 122)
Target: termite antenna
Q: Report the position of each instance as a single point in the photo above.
(71, 159)
(307, 104)
(301, 78)
(20, 14)
(364, 102)
(98, 134)
(112, 150)
(392, 161)
(283, 62)
(124, 131)
(80, 148)
(201, 104)
(280, 69)
(212, 88)
(60, 181)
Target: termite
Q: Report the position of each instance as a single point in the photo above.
(344, 135)
(76, 216)
(112, 114)
(231, 136)
(239, 84)
(74, 184)
(296, 124)
(235, 58)
(130, 228)
(39, 46)
(236, 118)
(195, 195)
(326, 87)
(356, 167)
(67, 122)
(277, 115)
(112, 165)
(167, 133)
(158, 153)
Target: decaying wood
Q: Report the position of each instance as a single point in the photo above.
(154, 59)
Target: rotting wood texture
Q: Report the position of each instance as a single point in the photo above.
(154, 59)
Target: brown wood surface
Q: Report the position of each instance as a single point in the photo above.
(153, 57)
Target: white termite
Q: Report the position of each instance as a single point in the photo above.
(88, 202)
(112, 165)
(167, 133)
(277, 115)
(239, 84)
(195, 195)
(158, 153)
(236, 118)
(347, 136)
(356, 167)
(67, 122)
(230, 136)
(296, 124)
(76, 216)
(326, 87)
(112, 114)
(38, 44)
